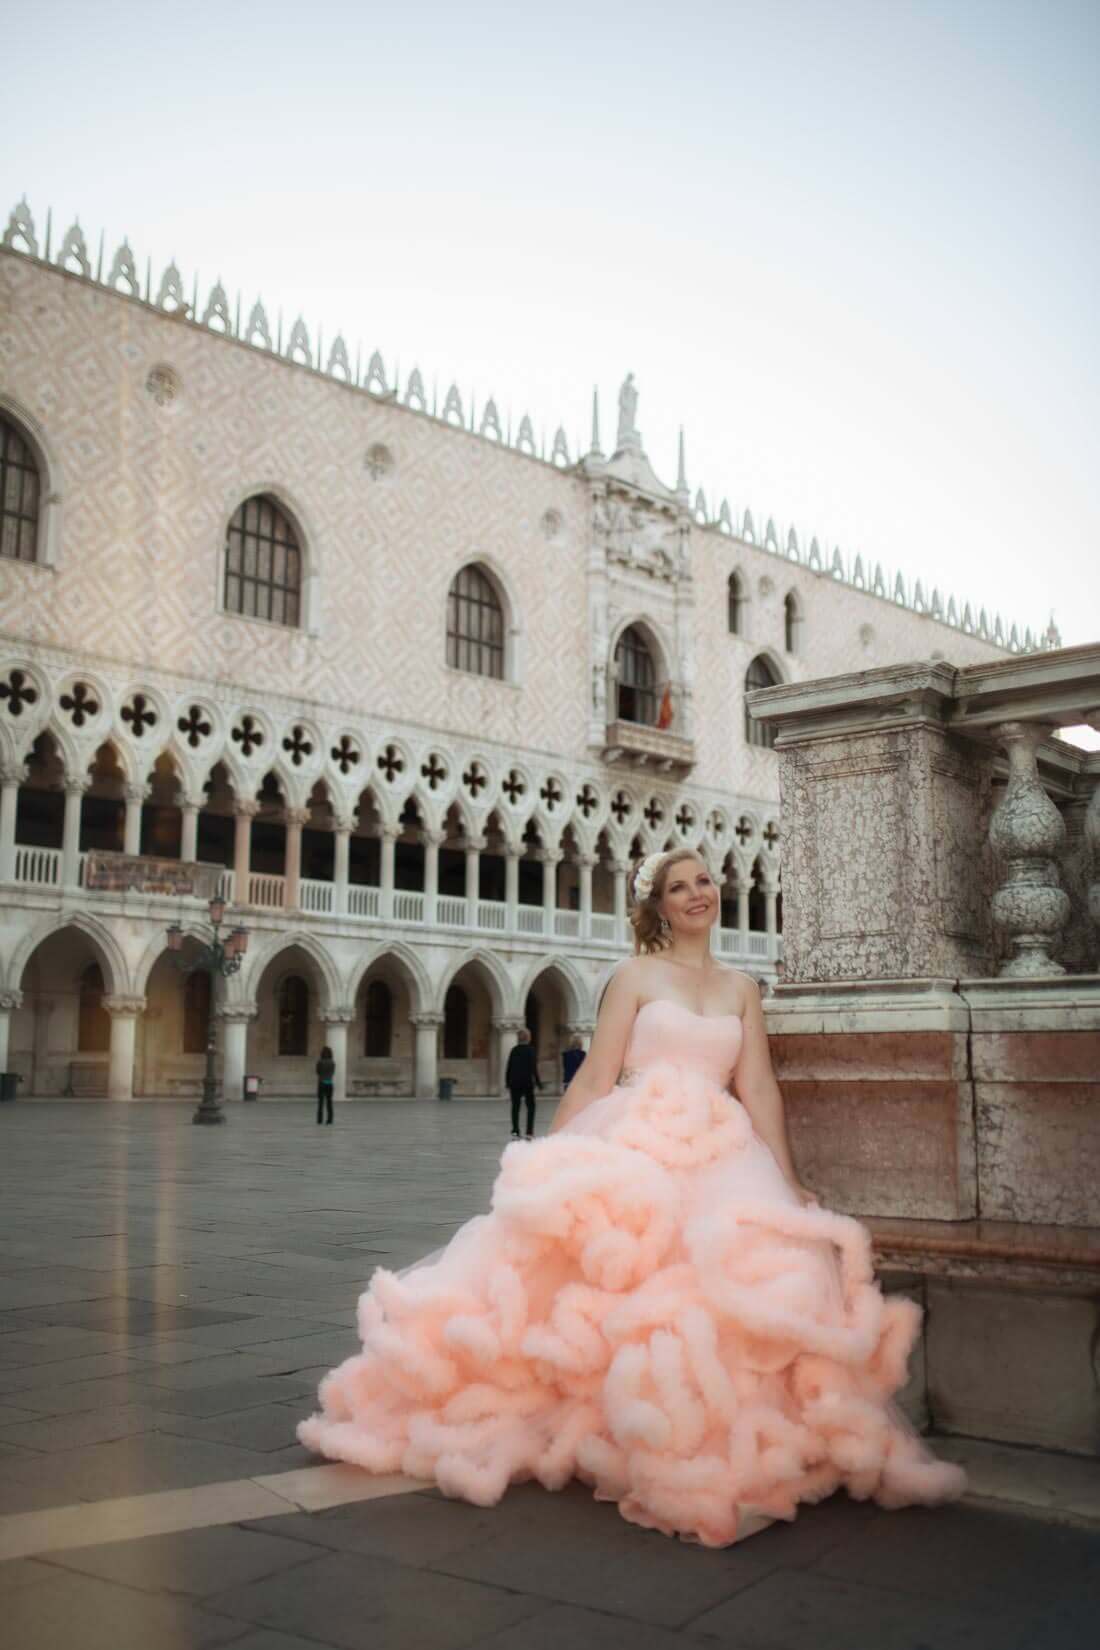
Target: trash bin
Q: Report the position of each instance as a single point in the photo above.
(446, 1087)
(252, 1088)
(8, 1082)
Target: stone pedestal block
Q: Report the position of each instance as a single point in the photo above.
(1012, 1365)
(878, 1097)
(1035, 1057)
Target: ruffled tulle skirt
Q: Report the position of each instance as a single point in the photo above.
(647, 1308)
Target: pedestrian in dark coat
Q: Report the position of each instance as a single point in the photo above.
(521, 1079)
(326, 1077)
(572, 1060)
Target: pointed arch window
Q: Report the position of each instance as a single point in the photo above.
(196, 1012)
(792, 622)
(293, 1016)
(456, 1024)
(20, 489)
(759, 674)
(736, 605)
(263, 563)
(636, 678)
(93, 1022)
(475, 625)
(378, 1043)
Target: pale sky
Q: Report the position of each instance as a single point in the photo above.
(851, 245)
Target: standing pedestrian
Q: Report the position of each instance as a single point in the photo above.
(521, 1078)
(326, 1074)
(571, 1061)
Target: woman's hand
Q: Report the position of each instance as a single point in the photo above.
(808, 1199)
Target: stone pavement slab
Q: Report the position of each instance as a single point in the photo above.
(175, 1295)
(366, 1603)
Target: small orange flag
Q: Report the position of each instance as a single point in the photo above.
(664, 715)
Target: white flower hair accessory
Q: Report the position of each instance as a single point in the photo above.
(645, 874)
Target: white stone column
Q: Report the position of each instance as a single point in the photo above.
(512, 857)
(136, 795)
(432, 841)
(551, 859)
(473, 876)
(235, 1018)
(9, 1002)
(124, 1013)
(189, 832)
(390, 834)
(343, 825)
(426, 1073)
(292, 867)
(586, 864)
(620, 869)
(743, 909)
(770, 891)
(244, 812)
(336, 1022)
(75, 787)
(507, 1034)
(11, 777)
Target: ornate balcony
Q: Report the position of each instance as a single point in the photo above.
(643, 746)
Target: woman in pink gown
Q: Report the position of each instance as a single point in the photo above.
(654, 1304)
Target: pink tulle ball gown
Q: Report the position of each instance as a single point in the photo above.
(648, 1308)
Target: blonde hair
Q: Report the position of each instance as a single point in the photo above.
(645, 917)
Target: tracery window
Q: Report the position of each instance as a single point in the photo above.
(759, 674)
(636, 678)
(294, 1015)
(456, 1024)
(475, 625)
(93, 1021)
(263, 563)
(379, 1028)
(19, 495)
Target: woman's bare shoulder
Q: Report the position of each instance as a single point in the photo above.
(747, 989)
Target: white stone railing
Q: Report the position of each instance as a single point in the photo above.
(42, 868)
(364, 900)
(316, 897)
(267, 891)
(407, 907)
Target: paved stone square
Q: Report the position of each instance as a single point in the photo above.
(169, 1297)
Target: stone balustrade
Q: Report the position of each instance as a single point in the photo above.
(937, 1028)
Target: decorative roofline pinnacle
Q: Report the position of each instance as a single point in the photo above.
(19, 238)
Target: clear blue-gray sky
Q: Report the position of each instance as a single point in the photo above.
(852, 245)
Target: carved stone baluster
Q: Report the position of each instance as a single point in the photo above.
(1092, 838)
(1026, 833)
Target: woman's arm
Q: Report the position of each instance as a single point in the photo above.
(755, 1086)
(599, 1071)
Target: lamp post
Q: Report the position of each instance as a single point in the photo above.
(219, 958)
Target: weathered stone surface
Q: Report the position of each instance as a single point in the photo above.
(1013, 1366)
(886, 857)
(1039, 1150)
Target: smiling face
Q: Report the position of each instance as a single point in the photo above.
(689, 899)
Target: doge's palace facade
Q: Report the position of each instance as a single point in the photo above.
(407, 687)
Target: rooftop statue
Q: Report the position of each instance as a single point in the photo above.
(628, 435)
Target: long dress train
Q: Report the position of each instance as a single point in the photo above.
(648, 1308)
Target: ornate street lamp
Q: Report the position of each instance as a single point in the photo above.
(219, 958)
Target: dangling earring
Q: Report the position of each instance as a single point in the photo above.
(666, 928)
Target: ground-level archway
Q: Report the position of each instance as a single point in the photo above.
(61, 1033)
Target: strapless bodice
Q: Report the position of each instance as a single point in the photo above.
(667, 1033)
